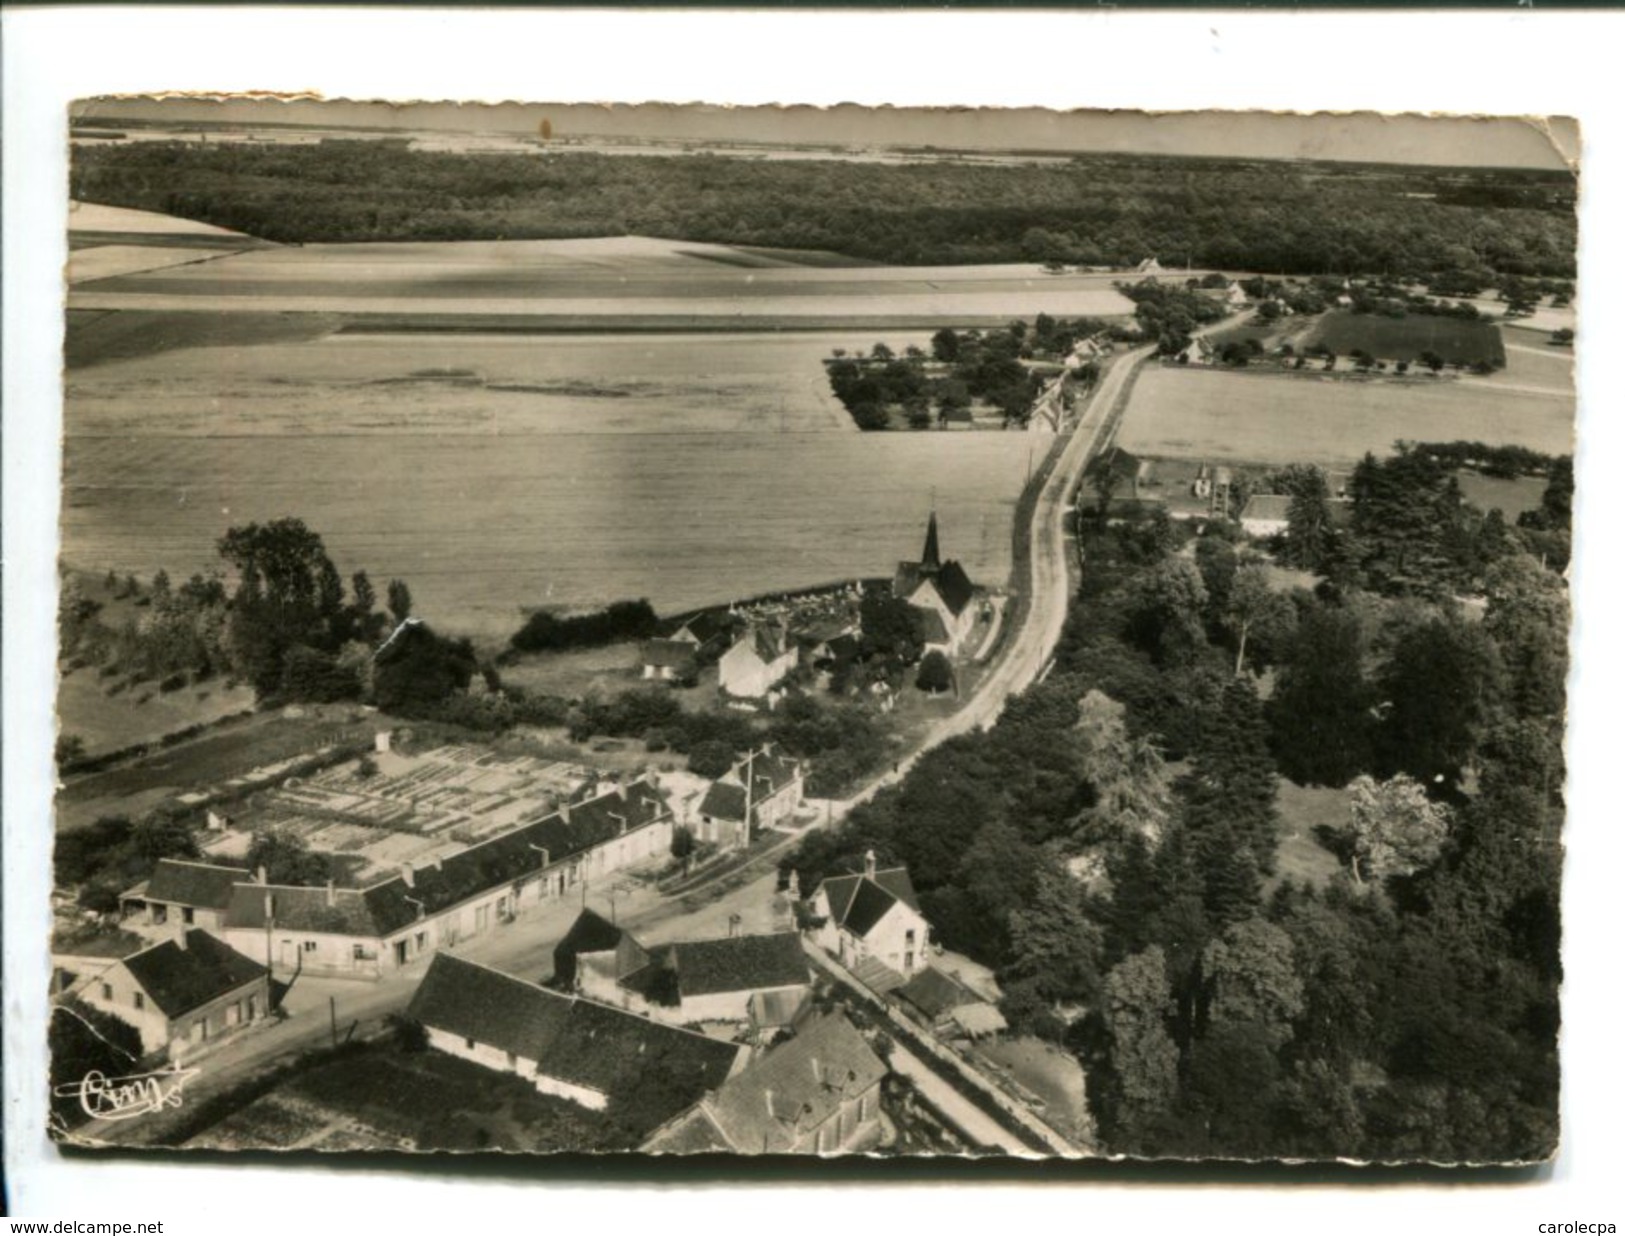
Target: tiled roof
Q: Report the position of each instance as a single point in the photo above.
(181, 979)
(1267, 506)
(928, 625)
(590, 933)
(777, 1008)
(694, 1132)
(795, 1087)
(954, 587)
(935, 993)
(375, 912)
(858, 902)
(769, 770)
(724, 801)
(668, 652)
(739, 963)
(202, 885)
(575, 1040)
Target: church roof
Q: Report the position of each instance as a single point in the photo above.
(931, 558)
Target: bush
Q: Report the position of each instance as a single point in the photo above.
(624, 620)
(172, 683)
(936, 673)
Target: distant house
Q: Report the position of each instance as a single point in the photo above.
(759, 792)
(1198, 352)
(758, 662)
(1150, 266)
(1265, 515)
(872, 918)
(940, 587)
(373, 931)
(669, 660)
(1126, 470)
(564, 1045)
(184, 994)
(819, 1093)
(183, 894)
(708, 632)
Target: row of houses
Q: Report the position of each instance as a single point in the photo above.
(373, 931)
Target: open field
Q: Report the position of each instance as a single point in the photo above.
(139, 713)
(91, 217)
(1510, 496)
(1274, 418)
(1301, 857)
(392, 384)
(629, 276)
(1408, 337)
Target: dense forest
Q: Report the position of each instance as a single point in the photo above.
(1278, 217)
(1116, 846)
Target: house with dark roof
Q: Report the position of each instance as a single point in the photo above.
(373, 931)
(669, 660)
(763, 790)
(940, 588)
(760, 979)
(757, 663)
(818, 1093)
(871, 923)
(184, 994)
(182, 894)
(708, 633)
(565, 1045)
(946, 1005)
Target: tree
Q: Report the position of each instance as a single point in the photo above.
(1126, 774)
(1320, 713)
(418, 670)
(1395, 828)
(1254, 605)
(936, 673)
(1231, 785)
(1443, 685)
(1053, 941)
(286, 859)
(1165, 606)
(1252, 979)
(400, 600)
(1144, 1057)
(710, 759)
(1527, 615)
(285, 597)
(1308, 517)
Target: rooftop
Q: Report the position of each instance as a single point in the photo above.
(181, 978)
(201, 885)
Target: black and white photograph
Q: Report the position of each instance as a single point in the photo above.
(978, 620)
(786, 631)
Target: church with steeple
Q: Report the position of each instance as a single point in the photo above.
(941, 593)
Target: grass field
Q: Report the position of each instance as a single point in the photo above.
(1304, 809)
(139, 713)
(1271, 418)
(1408, 337)
(1511, 496)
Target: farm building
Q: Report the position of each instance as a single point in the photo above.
(372, 931)
(872, 923)
(708, 632)
(669, 660)
(564, 1045)
(1121, 470)
(1265, 515)
(762, 979)
(819, 1093)
(184, 994)
(942, 588)
(947, 1005)
(182, 894)
(757, 663)
(761, 791)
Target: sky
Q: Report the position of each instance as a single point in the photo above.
(1360, 137)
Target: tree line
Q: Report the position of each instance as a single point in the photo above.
(1100, 210)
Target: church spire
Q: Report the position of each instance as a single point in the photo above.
(931, 560)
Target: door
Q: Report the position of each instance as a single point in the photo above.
(400, 952)
(288, 955)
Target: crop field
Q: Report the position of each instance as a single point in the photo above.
(550, 384)
(1408, 337)
(141, 713)
(632, 277)
(1276, 419)
(1512, 496)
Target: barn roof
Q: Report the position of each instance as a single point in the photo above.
(738, 963)
(201, 885)
(858, 902)
(180, 979)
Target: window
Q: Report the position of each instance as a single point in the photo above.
(469, 1043)
(908, 937)
(107, 991)
(310, 946)
(253, 1007)
(358, 952)
(187, 915)
(140, 1001)
(482, 917)
(234, 1014)
(513, 1061)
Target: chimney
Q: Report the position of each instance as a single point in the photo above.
(817, 1071)
(380, 742)
(409, 875)
(615, 815)
(869, 863)
(794, 888)
(439, 861)
(767, 1097)
(180, 939)
(260, 874)
(332, 898)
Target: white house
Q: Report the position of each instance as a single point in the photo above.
(669, 660)
(1266, 515)
(872, 918)
(182, 894)
(564, 1045)
(184, 994)
(759, 792)
(758, 661)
